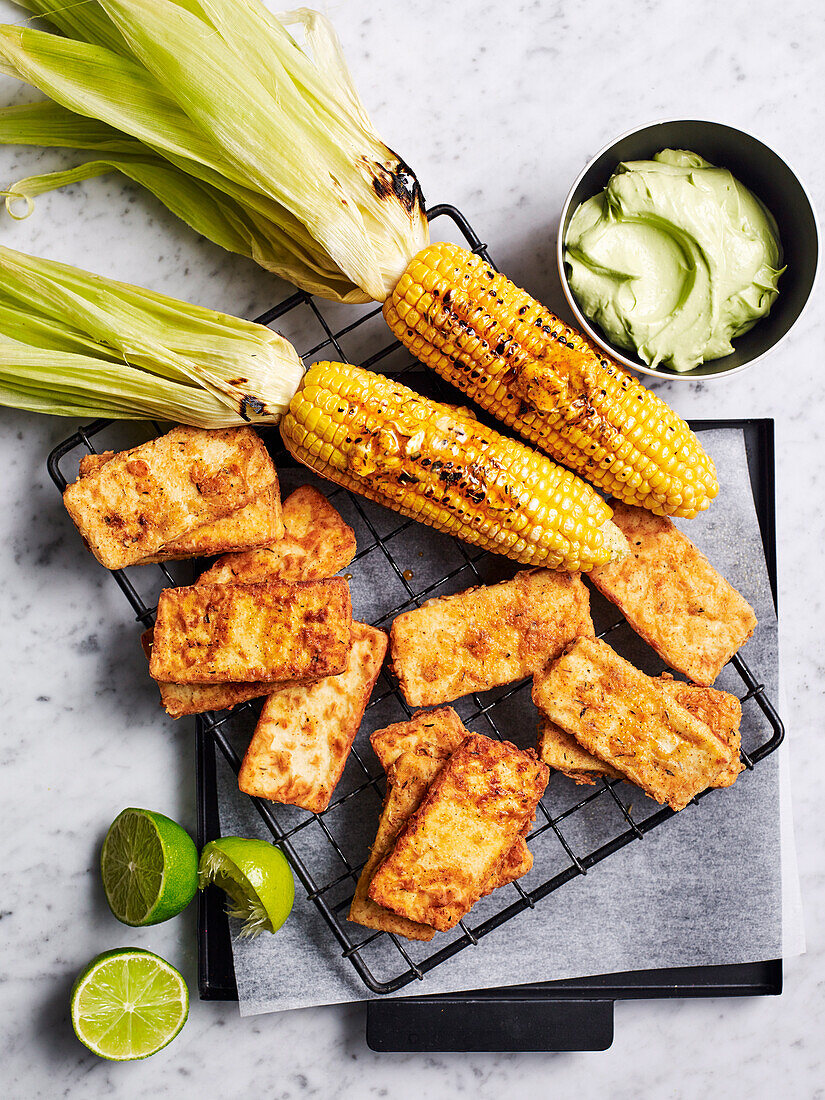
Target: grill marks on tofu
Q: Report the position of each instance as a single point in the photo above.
(259, 632)
(487, 636)
(316, 543)
(476, 809)
(673, 597)
(305, 731)
(141, 500)
(623, 717)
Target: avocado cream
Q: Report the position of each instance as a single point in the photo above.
(675, 259)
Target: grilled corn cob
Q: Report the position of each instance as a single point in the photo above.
(437, 464)
(525, 366)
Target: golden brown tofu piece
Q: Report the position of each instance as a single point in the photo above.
(316, 543)
(255, 524)
(143, 499)
(487, 636)
(246, 528)
(517, 862)
(673, 597)
(305, 732)
(721, 712)
(624, 718)
(439, 731)
(409, 778)
(219, 633)
(408, 781)
(562, 752)
(180, 699)
(479, 804)
(91, 463)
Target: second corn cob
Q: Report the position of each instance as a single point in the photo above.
(438, 465)
(541, 377)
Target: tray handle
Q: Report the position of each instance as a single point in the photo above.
(514, 1023)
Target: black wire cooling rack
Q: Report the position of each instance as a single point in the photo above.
(575, 829)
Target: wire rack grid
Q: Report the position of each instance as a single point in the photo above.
(401, 962)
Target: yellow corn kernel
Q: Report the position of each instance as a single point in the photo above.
(539, 376)
(436, 464)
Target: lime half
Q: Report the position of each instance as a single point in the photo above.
(128, 1004)
(256, 877)
(149, 866)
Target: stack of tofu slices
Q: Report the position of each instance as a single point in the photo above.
(270, 619)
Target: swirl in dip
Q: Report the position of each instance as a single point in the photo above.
(674, 259)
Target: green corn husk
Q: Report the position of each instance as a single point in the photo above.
(260, 144)
(76, 344)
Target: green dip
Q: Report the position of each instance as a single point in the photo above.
(675, 258)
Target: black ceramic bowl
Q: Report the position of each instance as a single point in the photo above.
(771, 180)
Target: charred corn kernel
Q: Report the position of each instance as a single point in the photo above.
(525, 366)
(436, 464)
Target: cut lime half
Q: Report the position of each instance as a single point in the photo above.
(149, 866)
(128, 1004)
(256, 878)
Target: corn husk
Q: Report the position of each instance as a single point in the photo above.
(260, 143)
(76, 344)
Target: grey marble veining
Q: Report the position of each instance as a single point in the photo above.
(497, 106)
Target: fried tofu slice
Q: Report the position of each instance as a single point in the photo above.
(255, 524)
(562, 752)
(487, 636)
(477, 807)
(219, 633)
(316, 543)
(310, 521)
(305, 732)
(246, 528)
(91, 463)
(623, 717)
(409, 777)
(673, 597)
(719, 710)
(439, 732)
(517, 862)
(143, 499)
(181, 699)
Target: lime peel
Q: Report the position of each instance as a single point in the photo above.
(256, 878)
(149, 867)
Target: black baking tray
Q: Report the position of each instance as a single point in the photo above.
(574, 1014)
(323, 330)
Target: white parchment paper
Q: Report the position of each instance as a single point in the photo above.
(704, 888)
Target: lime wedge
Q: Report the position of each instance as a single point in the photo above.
(256, 877)
(128, 1004)
(149, 867)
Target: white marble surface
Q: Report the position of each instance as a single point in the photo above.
(496, 106)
